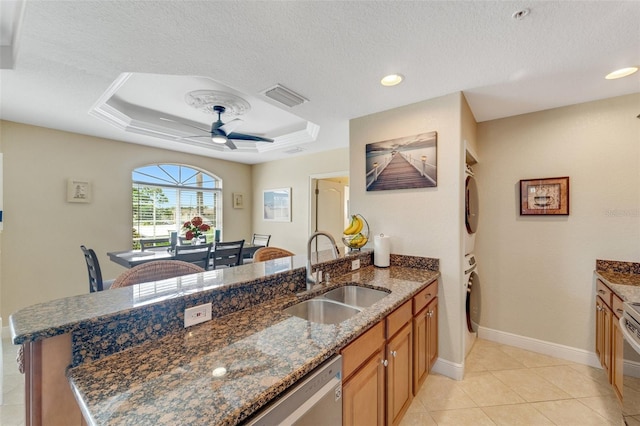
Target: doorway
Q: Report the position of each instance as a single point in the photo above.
(329, 207)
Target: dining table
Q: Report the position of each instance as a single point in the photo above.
(131, 258)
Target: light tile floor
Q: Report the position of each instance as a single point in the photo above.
(11, 384)
(504, 385)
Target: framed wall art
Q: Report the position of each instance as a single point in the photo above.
(78, 191)
(276, 205)
(548, 196)
(402, 163)
(238, 200)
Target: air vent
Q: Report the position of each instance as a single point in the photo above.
(284, 96)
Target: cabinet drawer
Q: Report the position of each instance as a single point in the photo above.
(398, 318)
(425, 296)
(617, 307)
(358, 351)
(603, 291)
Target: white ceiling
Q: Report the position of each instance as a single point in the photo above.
(68, 53)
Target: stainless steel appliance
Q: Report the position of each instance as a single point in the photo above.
(315, 400)
(630, 325)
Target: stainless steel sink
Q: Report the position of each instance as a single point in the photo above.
(357, 296)
(322, 311)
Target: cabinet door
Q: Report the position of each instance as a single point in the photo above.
(363, 394)
(432, 334)
(399, 374)
(600, 330)
(617, 357)
(420, 339)
(606, 349)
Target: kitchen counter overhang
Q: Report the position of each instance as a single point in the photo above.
(222, 371)
(134, 363)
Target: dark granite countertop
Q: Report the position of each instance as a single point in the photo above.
(174, 379)
(621, 277)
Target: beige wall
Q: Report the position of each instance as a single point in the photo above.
(421, 222)
(41, 258)
(293, 173)
(536, 272)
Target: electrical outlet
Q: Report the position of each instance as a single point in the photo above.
(197, 314)
(355, 264)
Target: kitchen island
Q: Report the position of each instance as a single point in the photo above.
(135, 363)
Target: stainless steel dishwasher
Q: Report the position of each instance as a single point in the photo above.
(316, 400)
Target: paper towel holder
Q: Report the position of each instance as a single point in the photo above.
(381, 251)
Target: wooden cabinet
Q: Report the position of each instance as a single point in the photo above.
(363, 389)
(603, 333)
(379, 367)
(609, 340)
(49, 400)
(425, 334)
(617, 357)
(399, 374)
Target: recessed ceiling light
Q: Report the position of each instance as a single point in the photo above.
(391, 80)
(623, 72)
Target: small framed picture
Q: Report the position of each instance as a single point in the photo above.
(78, 191)
(238, 200)
(548, 196)
(276, 205)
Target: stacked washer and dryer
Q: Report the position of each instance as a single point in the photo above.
(470, 269)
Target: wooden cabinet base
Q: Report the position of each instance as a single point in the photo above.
(48, 397)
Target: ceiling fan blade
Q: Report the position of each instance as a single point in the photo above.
(229, 126)
(243, 137)
(184, 124)
(231, 144)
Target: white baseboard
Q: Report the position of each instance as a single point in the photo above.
(556, 350)
(449, 369)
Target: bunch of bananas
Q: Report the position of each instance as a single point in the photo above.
(358, 241)
(355, 228)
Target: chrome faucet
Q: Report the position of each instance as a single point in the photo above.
(311, 280)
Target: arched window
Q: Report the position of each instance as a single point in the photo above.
(167, 195)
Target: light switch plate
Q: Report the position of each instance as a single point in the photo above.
(197, 314)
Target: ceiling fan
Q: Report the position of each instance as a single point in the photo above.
(222, 133)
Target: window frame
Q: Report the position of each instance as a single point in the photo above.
(180, 182)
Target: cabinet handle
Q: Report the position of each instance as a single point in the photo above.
(601, 291)
(428, 295)
(430, 314)
(620, 311)
(385, 362)
(394, 353)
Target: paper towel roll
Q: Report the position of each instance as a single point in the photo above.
(381, 250)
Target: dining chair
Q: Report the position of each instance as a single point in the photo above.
(154, 271)
(154, 243)
(256, 240)
(96, 283)
(260, 239)
(269, 253)
(200, 254)
(227, 254)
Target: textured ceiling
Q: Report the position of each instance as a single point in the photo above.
(333, 53)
